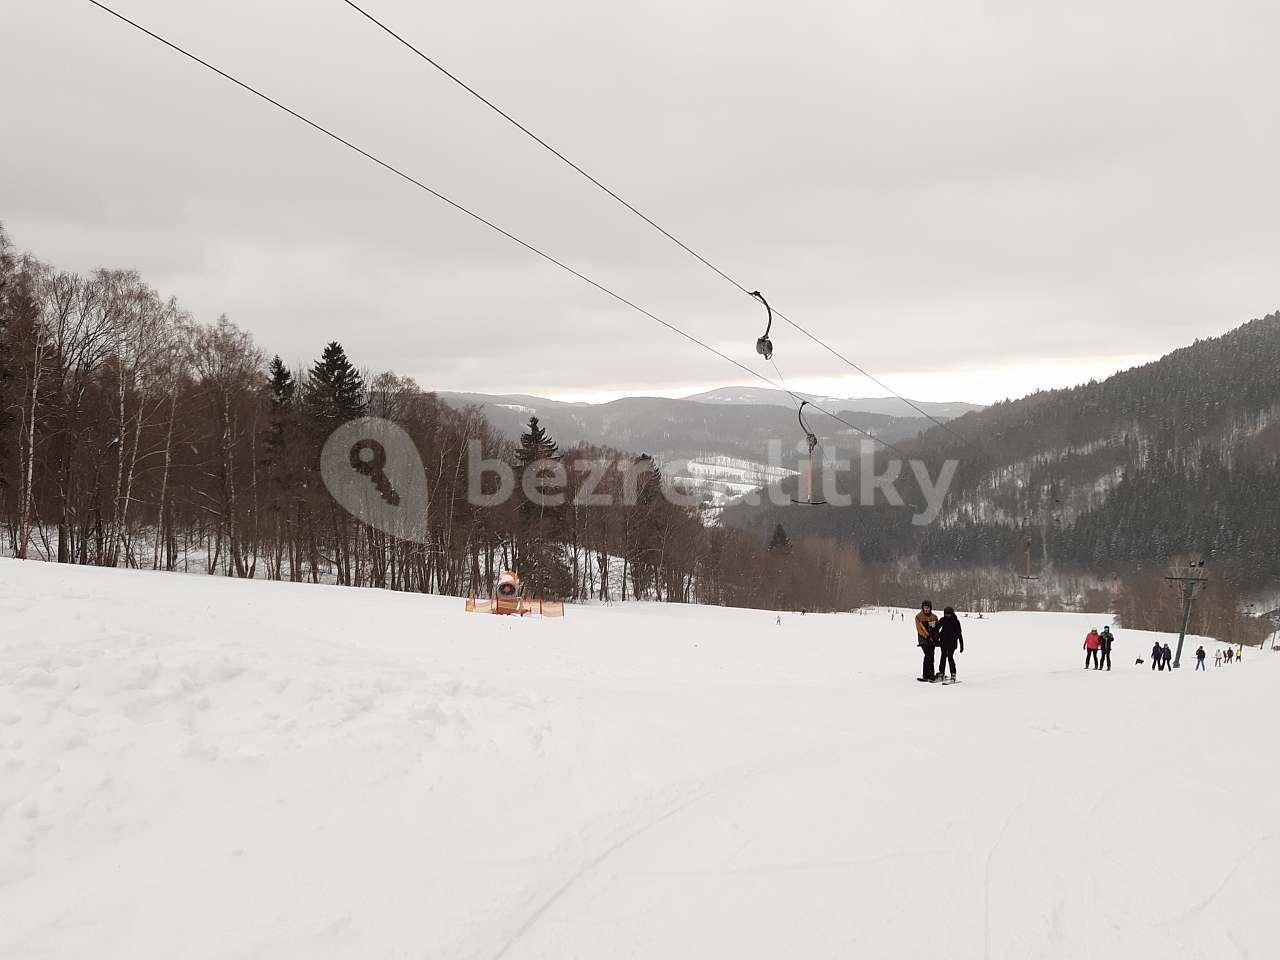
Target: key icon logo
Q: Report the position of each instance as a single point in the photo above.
(370, 458)
(372, 468)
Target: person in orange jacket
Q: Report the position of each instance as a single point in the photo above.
(1092, 644)
(925, 626)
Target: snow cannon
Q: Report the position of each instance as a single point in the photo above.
(508, 585)
(509, 600)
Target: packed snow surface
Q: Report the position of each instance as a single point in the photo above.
(194, 767)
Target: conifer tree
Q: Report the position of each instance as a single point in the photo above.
(537, 544)
(282, 390)
(283, 386)
(535, 444)
(640, 533)
(334, 392)
(779, 543)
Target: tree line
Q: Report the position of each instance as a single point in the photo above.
(132, 434)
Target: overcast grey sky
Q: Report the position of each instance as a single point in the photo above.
(970, 199)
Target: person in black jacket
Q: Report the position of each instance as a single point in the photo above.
(1107, 639)
(949, 637)
(1157, 657)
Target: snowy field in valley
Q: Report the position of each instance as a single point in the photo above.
(194, 767)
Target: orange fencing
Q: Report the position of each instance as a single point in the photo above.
(511, 605)
(515, 606)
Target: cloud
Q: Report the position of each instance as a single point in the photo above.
(934, 188)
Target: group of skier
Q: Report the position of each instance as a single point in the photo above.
(1097, 648)
(1225, 656)
(1161, 656)
(942, 634)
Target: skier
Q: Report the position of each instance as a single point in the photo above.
(1217, 658)
(1091, 644)
(1227, 655)
(1105, 650)
(1157, 656)
(925, 620)
(949, 636)
(1200, 657)
(1166, 656)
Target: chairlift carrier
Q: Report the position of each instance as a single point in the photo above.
(812, 442)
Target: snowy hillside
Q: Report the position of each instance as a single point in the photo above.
(198, 767)
(717, 480)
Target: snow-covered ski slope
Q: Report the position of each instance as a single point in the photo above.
(194, 767)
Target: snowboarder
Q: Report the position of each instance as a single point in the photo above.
(1166, 658)
(1105, 649)
(1200, 657)
(949, 637)
(925, 621)
(1157, 656)
(1092, 642)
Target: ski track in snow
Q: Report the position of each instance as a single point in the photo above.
(199, 767)
(633, 832)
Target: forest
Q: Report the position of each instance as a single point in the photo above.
(136, 435)
(1178, 457)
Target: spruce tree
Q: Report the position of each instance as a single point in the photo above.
(538, 547)
(334, 392)
(283, 390)
(640, 535)
(779, 543)
(283, 386)
(535, 444)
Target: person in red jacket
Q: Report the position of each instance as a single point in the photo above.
(1092, 644)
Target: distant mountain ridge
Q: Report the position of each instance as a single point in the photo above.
(889, 406)
(683, 427)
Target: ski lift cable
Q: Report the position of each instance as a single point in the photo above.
(654, 224)
(409, 178)
(783, 381)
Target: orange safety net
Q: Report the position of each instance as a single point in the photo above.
(515, 606)
(511, 605)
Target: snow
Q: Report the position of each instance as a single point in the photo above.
(198, 767)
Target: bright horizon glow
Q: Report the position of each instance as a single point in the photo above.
(981, 385)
